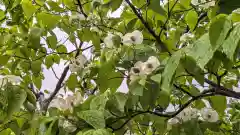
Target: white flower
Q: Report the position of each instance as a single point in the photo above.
(78, 63)
(188, 114)
(209, 115)
(81, 59)
(186, 37)
(78, 99)
(173, 121)
(150, 65)
(203, 3)
(10, 78)
(76, 17)
(69, 127)
(109, 40)
(136, 72)
(95, 29)
(60, 103)
(236, 89)
(135, 37)
(237, 11)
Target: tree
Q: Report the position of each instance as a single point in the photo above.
(179, 58)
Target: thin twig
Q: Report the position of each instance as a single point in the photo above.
(146, 25)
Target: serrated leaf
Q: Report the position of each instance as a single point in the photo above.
(219, 103)
(191, 19)
(52, 41)
(219, 29)
(155, 6)
(169, 71)
(99, 102)
(93, 117)
(230, 44)
(201, 51)
(72, 81)
(16, 98)
(28, 8)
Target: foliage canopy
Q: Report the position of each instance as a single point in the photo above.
(179, 58)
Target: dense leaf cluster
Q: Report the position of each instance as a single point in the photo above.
(194, 44)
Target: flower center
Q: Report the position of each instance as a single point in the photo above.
(133, 38)
(77, 62)
(136, 70)
(149, 65)
(209, 116)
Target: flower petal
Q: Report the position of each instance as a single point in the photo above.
(137, 36)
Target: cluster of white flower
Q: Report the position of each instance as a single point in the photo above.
(205, 114)
(132, 38)
(142, 69)
(9, 78)
(66, 103)
(78, 63)
(203, 3)
(75, 18)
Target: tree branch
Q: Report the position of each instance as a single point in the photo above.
(150, 30)
(81, 8)
(59, 84)
(183, 90)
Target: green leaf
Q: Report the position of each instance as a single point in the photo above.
(93, 117)
(155, 6)
(72, 82)
(219, 103)
(185, 3)
(120, 100)
(157, 78)
(28, 8)
(115, 4)
(95, 132)
(36, 66)
(2, 15)
(61, 49)
(4, 60)
(52, 41)
(169, 71)
(99, 102)
(201, 51)
(230, 44)
(191, 19)
(37, 82)
(48, 20)
(16, 3)
(138, 3)
(16, 98)
(136, 89)
(219, 29)
(49, 61)
(35, 31)
(31, 97)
